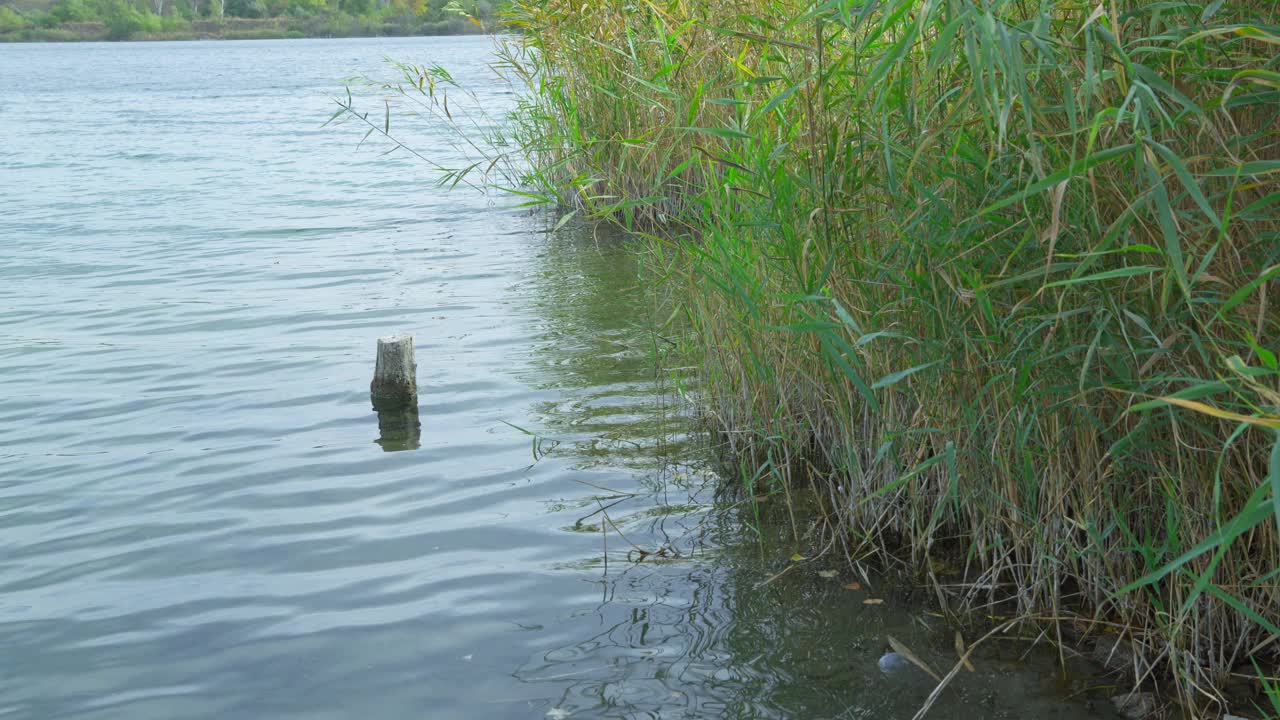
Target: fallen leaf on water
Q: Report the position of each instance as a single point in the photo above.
(960, 649)
(827, 573)
(855, 585)
(905, 652)
(873, 601)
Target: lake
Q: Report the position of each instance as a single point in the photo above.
(201, 518)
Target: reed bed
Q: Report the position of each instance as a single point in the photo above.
(995, 281)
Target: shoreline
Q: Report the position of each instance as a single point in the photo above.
(271, 33)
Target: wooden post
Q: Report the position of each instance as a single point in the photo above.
(395, 375)
(394, 392)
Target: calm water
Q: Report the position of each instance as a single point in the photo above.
(197, 518)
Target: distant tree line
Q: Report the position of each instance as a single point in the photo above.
(120, 19)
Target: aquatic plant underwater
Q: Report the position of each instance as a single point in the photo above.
(985, 289)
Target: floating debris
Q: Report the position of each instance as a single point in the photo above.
(963, 653)
(905, 652)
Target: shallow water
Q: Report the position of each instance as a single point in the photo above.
(198, 518)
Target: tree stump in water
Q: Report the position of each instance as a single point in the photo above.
(395, 374)
(394, 392)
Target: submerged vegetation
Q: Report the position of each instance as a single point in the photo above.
(995, 282)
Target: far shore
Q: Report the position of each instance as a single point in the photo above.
(243, 29)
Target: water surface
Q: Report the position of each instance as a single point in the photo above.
(197, 518)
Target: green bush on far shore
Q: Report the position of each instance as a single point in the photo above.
(240, 19)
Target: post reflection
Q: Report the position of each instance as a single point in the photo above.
(399, 427)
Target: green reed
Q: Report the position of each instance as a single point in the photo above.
(995, 280)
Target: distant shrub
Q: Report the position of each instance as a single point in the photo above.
(247, 8)
(72, 11)
(451, 26)
(10, 20)
(39, 34)
(124, 20)
(174, 24)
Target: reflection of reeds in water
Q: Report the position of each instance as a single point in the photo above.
(598, 319)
